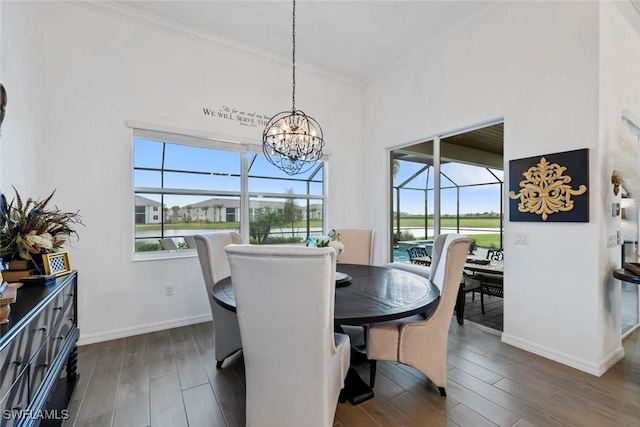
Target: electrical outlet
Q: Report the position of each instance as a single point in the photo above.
(168, 290)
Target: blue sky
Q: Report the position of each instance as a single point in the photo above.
(220, 170)
(485, 198)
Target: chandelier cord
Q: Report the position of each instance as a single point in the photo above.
(293, 34)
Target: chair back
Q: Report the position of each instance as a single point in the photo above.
(495, 254)
(215, 267)
(359, 245)
(167, 244)
(416, 252)
(213, 260)
(440, 247)
(423, 345)
(285, 305)
(496, 257)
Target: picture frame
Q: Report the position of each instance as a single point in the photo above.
(57, 263)
(530, 179)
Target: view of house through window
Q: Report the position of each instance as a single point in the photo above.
(185, 186)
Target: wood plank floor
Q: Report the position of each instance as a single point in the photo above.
(169, 378)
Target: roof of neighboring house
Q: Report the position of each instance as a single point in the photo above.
(143, 201)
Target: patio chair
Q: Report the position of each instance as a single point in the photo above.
(418, 255)
(491, 284)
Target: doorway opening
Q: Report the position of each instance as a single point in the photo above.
(452, 183)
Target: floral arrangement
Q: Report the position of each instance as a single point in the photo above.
(30, 228)
(331, 240)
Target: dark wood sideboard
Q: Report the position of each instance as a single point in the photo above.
(38, 354)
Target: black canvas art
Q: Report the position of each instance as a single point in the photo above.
(550, 188)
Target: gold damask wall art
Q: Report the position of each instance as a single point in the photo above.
(550, 188)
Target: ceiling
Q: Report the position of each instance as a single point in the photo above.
(479, 147)
(357, 40)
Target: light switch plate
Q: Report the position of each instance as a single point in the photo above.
(612, 240)
(522, 238)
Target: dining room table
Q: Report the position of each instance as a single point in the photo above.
(364, 294)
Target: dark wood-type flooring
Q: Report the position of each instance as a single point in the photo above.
(169, 378)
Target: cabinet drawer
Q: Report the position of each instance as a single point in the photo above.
(15, 402)
(60, 304)
(13, 362)
(38, 369)
(59, 334)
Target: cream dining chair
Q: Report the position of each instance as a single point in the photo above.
(294, 363)
(215, 267)
(359, 245)
(423, 343)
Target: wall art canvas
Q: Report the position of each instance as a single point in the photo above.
(550, 188)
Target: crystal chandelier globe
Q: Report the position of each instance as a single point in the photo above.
(291, 140)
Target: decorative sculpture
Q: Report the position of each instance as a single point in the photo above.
(546, 190)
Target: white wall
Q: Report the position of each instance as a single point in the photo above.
(22, 129)
(99, 71)
(536, 65)
(619, 89)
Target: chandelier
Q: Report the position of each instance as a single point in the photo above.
(292, 141)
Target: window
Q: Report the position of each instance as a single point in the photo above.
(201, 185)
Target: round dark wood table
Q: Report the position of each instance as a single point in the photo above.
(626, 276)
(375, 294)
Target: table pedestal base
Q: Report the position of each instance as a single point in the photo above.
(355, 389)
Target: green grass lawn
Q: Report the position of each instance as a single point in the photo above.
(451, 222)
(200, 225)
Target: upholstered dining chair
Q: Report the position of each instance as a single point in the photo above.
(294, 363)
(418, 342)
(359, 245)
(167, 244)
(215, 267)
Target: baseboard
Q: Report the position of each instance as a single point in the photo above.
(566, 359)
(140, 329)
(482, 328)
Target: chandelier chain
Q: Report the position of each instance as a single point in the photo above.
(293, 34)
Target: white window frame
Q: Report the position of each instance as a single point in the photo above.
(192, 138)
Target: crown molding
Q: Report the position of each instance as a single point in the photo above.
(142, 18)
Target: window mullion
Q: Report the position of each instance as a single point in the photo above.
(244, 198)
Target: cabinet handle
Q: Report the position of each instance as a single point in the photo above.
(44, 365)
(57, 308)
(43, 329)
(18, 361)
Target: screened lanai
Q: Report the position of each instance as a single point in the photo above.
(470, 190)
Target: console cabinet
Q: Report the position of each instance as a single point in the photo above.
(38, 353)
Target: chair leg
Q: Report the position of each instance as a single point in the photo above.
(365, 331)
(442, 392)
(482, 300)
(372, 372)
(219, 364)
